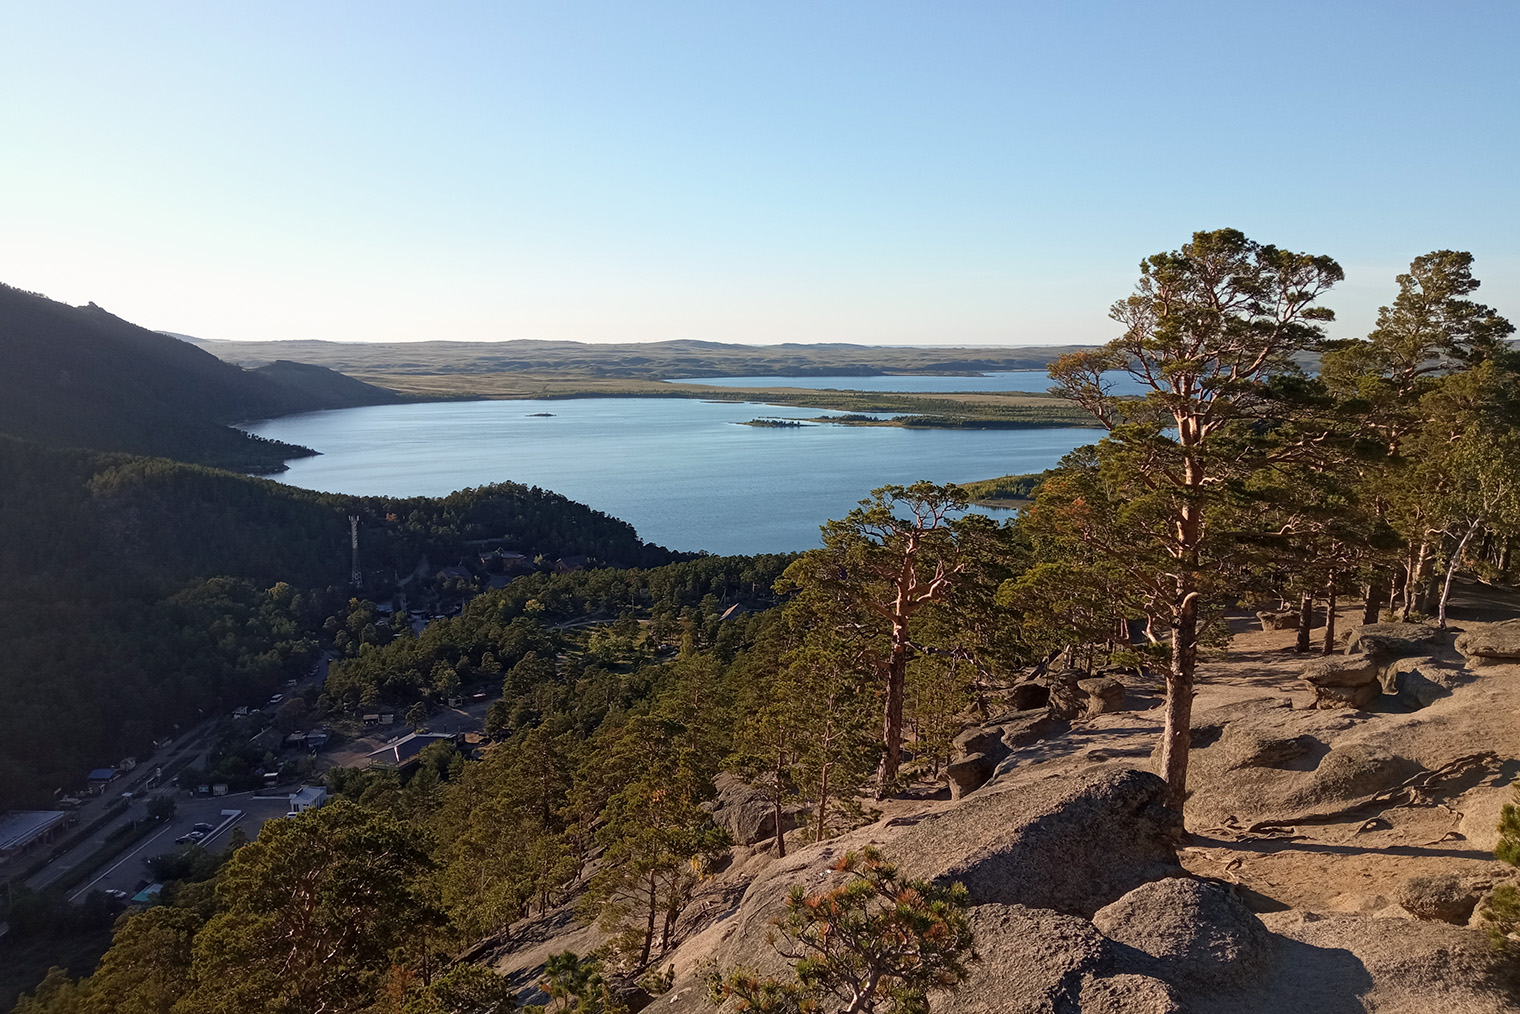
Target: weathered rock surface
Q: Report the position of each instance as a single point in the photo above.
(1261, 759)
(1388, 641)
(1066, 699)
(980, 739)
(628, 994)
(1485, 644)
(1336, 964)
(1481, 809)
(1340, 671)
(747, 813)
(1350, 772)
(1070, 844)
(1192, 932)
(1343, 681)
(1415, 689)
(1278, 619)
(1035, 961)
(1104, 694)
(1243, 745)
(1126, 994)
(976, 752)
(1032, 960)
(1442, 897)
(1021, 728)
(1027, 696)
(969, 772)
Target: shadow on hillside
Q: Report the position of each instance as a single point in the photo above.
(1275, 846)
(1481, 603)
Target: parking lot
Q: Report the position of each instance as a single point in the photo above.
(128, 872)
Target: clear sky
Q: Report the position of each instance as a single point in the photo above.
(873, 171)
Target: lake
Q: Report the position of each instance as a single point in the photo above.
(684, 473)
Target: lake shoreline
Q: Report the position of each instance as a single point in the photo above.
(685, 472)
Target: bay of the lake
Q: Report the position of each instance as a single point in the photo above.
(686, 474)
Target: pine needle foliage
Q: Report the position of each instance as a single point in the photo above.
(875, 944)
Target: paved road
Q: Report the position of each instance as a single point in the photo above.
(192, 745)
(129, 872)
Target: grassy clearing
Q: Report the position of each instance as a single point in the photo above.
(939, 410)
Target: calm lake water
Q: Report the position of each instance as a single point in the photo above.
(684, 473)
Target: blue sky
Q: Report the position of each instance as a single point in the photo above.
(880, 172)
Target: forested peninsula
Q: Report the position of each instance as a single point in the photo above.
(901, 757)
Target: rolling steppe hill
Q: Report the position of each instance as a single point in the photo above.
(642, 360)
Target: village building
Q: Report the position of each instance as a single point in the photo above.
(22, 830)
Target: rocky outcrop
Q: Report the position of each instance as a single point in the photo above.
(747, 813)
(1351, 963)
(1261, 759)
(1028, 696)
(1388, 641)
(976, 752)
(1348, 774)
(1278, 619)
(1076, 694)
(1187, 931)
(1485, 644)
(1441, 897)
(1067, 846)
(1242, 745)
(1416, 690)
(969, 772)
(1345, 681)
(1034, 961)
(1104, 694)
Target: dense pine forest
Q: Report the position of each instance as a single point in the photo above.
(628, 693)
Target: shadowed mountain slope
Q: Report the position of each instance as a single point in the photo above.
(82, 377)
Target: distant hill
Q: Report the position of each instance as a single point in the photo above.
(671, 360)
(82, 377)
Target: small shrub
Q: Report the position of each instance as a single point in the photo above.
(1502, 913)
(876, 943)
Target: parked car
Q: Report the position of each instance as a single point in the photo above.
(203, 828)
(190, 839)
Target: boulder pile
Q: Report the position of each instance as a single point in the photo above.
(1344, 681)
(1485, 644)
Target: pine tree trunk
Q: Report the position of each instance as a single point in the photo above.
(780, 832)
(1177, 736)
(1305, 623)
(1377, 589)
(1414, 586)
(823, 802)
(891, 719)
(1329, 646)
(654, 897)
(1451, 572)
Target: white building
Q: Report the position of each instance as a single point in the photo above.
(308, 797)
